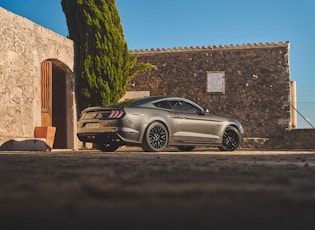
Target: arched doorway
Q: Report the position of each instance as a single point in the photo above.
(57, 95)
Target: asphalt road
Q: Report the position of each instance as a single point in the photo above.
(131, 189)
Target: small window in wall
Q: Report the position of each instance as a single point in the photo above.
(215, 82)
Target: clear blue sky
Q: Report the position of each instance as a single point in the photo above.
(179, 23)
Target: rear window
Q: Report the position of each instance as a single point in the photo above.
(132, 102)
(137, 101)
(124, 103)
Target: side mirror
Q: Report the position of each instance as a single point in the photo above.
(204, 111)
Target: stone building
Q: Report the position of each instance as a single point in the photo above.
(36, 84)
(249, 82)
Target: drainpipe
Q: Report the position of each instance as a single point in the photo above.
(293, 104)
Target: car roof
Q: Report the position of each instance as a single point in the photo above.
(136, 102)
(150, 99)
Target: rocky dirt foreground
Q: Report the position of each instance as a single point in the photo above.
(131, 189)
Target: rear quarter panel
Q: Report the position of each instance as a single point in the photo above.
(139, 118)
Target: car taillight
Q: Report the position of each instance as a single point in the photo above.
(115, 114)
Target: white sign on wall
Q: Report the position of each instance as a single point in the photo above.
(215, 82)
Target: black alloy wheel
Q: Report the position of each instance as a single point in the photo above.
(231, 139)
(155, 138)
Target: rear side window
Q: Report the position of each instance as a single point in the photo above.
(184, 107)
(163, 104)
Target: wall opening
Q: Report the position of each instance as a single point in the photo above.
(58, 101)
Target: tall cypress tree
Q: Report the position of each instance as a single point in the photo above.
(103, 65)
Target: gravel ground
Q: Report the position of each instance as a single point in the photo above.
(131, 189)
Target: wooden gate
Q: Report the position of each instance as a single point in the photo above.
(46, 93)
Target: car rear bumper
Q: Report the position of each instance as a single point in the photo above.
(126, 135)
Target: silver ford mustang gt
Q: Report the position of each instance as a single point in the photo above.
(156, 122)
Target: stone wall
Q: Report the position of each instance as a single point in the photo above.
(257, 84)
(24, 45)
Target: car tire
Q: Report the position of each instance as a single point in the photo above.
(155, 138)
(230, 140)
(108, 146)
(185, 148)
